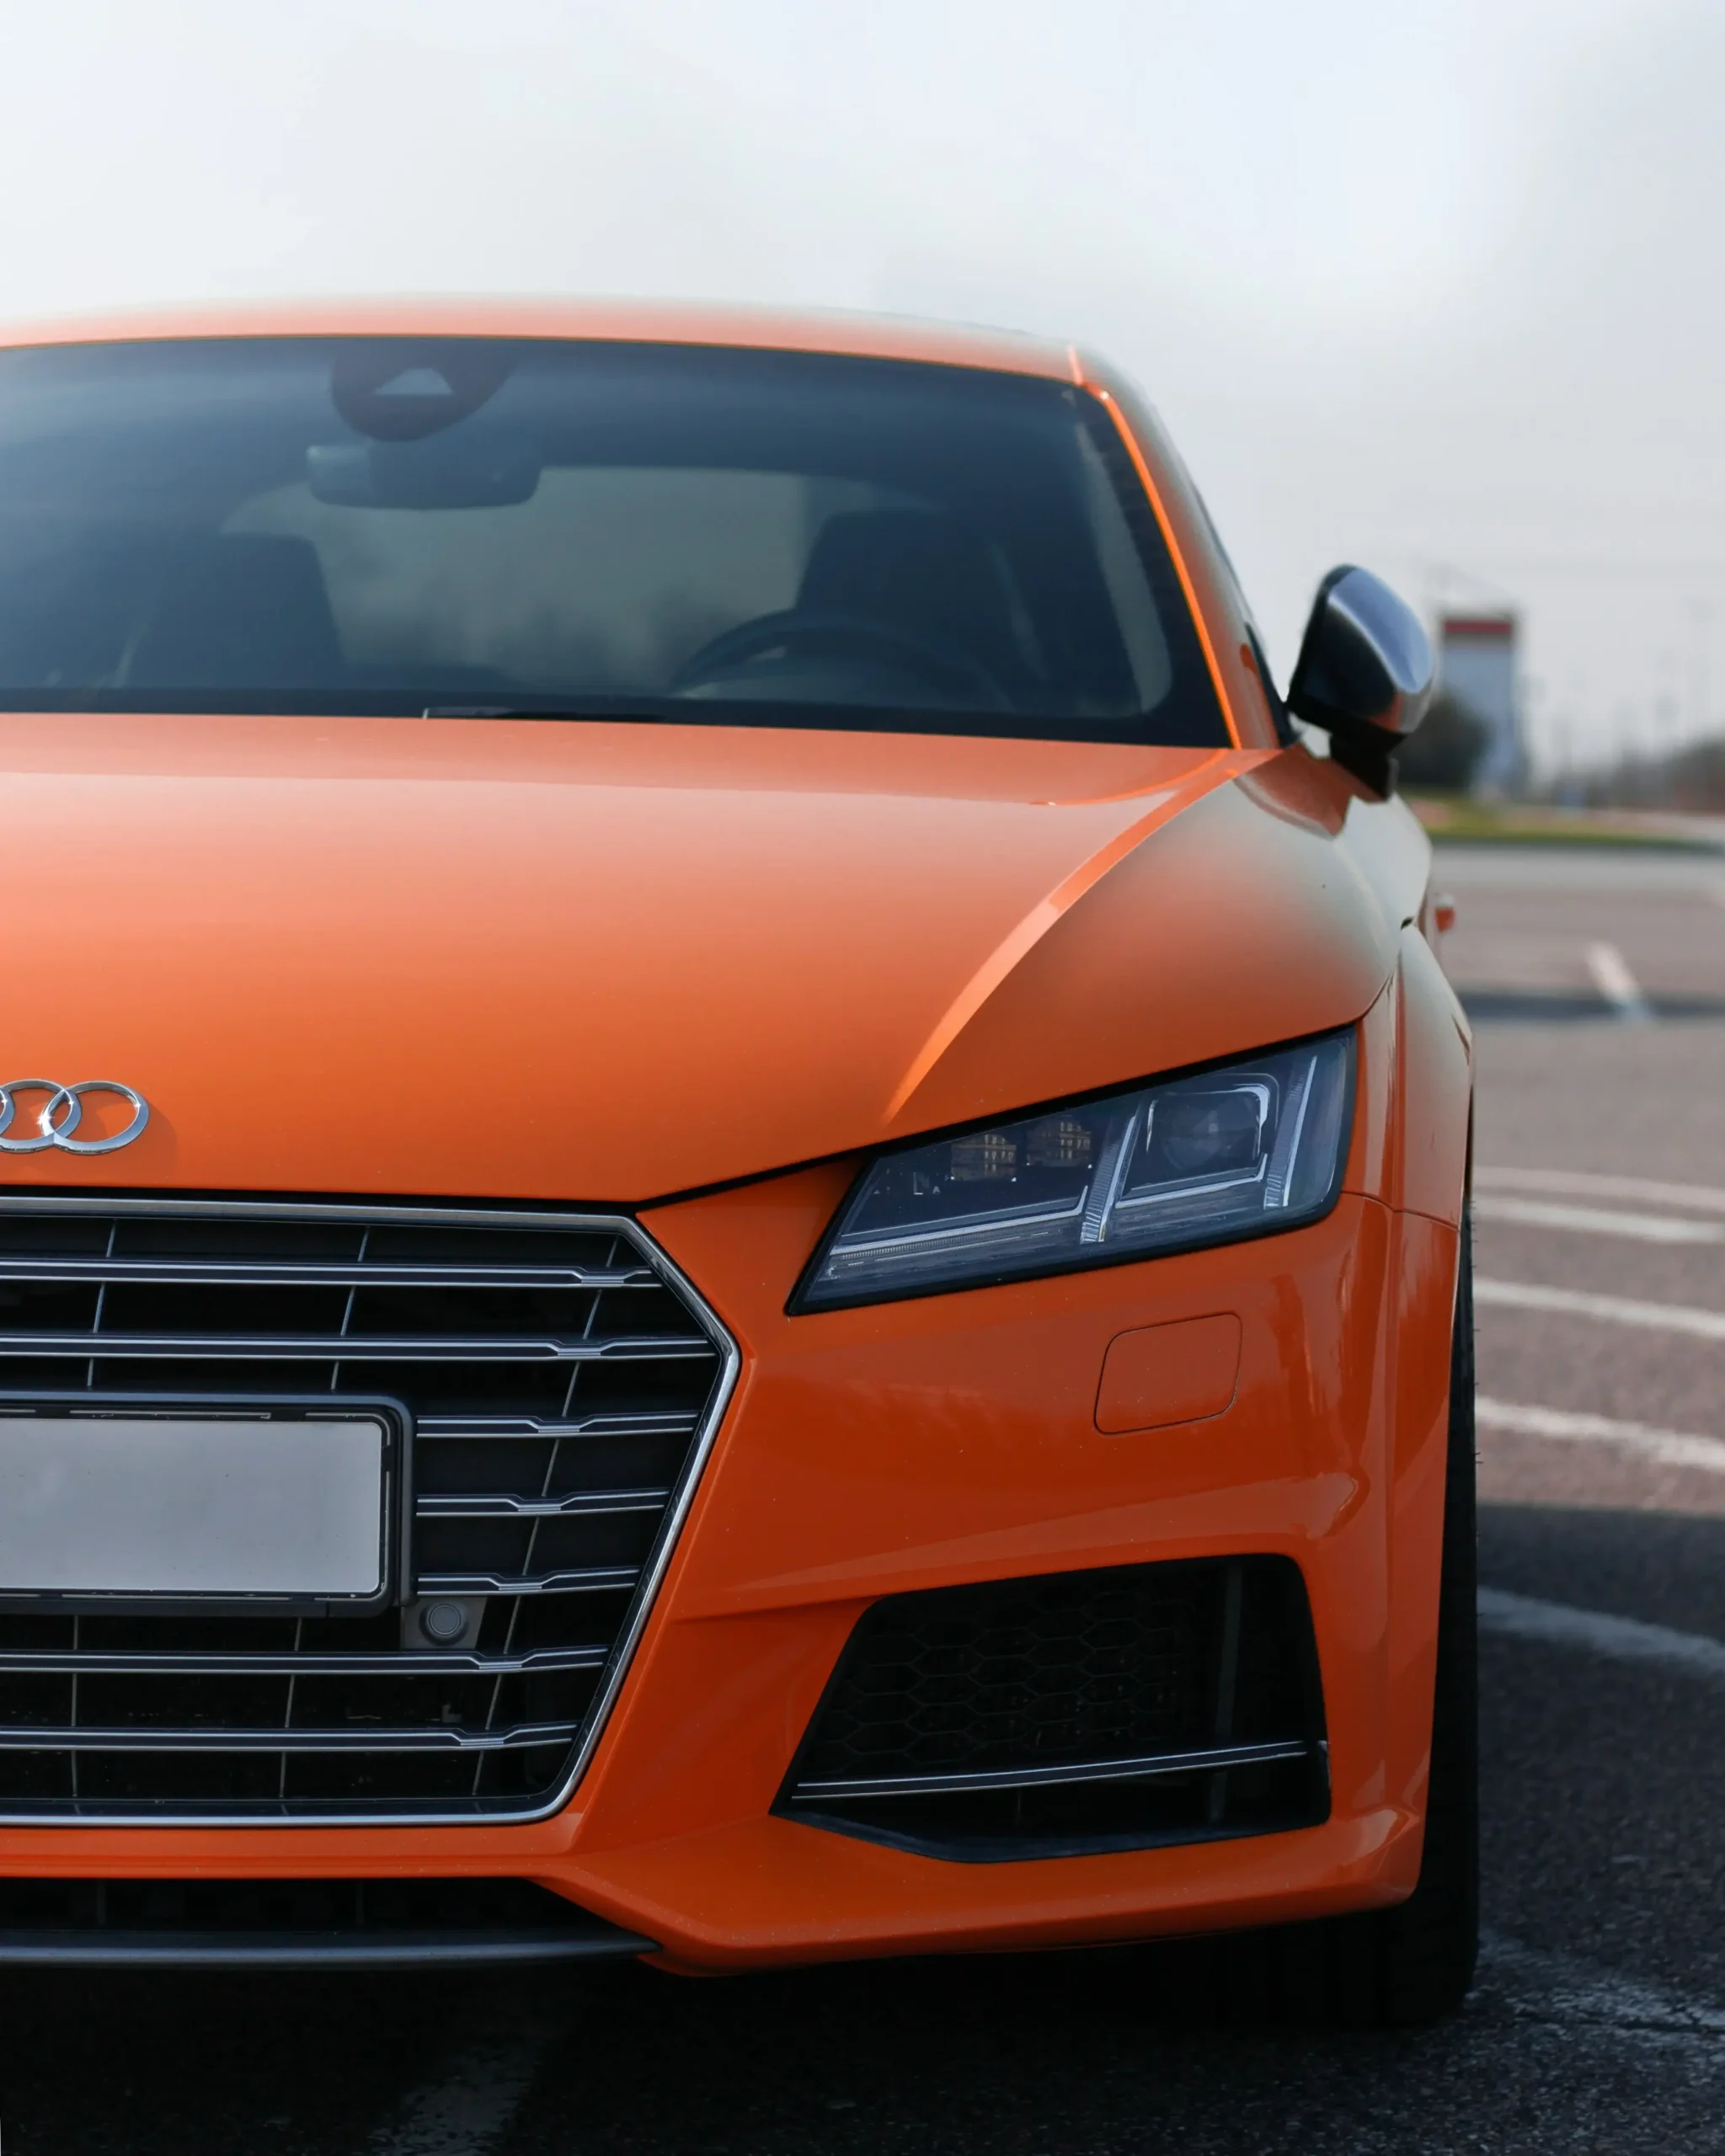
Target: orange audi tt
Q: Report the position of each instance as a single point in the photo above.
(740, 1234)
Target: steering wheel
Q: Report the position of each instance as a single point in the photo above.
(841, 636)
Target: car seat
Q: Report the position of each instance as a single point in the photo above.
(236, 610)
(926, 574)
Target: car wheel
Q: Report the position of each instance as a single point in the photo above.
(1412, 1964)
(1417, 1959)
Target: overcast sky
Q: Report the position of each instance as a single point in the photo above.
(1434, 285)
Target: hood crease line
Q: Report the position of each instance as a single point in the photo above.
(1024, 935)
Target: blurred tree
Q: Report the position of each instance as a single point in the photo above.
(1691, 779)
(1445, 753)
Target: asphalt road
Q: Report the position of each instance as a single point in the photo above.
(1599, 2022)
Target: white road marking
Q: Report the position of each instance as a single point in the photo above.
(1610, 974)
(470, 2109)
(1622, 1639)
(1667, 1447)
(1465, 868)
(1612, 1309)
(1571, 1182)
(1563, 1988)
(1596, 1220)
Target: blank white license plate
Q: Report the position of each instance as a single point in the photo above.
(118, 1505)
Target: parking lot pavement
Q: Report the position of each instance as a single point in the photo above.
(1534, 922)
(1599, 2020)
(1600, 1172)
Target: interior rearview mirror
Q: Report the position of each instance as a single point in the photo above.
(467, 468)
(1364, 673)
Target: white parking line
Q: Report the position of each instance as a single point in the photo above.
(1667, 1447)
(469, 2109)
(1571, 1182)
(1611, 974)
(1623, 1639)
(1613, 1309)
(1596, 1220)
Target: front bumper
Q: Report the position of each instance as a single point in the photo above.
(874, 1451)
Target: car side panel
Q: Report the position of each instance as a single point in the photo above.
(1385, 841)
(1424, 1314)
(1436, 1069)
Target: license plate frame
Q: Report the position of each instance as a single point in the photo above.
(205, 1414)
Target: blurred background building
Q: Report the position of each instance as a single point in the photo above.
(1476, 671)
(1472, 740)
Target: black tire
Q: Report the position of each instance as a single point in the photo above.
(1421, 1959)
(1412, 1965)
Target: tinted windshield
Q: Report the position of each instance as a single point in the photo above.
(484, 526)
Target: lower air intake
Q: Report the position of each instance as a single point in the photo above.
(1074, 1712)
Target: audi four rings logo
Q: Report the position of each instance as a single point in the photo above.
(62, 1112)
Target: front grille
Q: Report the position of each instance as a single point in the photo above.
(560, 1384)
(1073, 1712)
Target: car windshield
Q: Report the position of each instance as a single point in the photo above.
(482, 527)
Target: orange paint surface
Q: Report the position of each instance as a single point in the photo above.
(611, 320)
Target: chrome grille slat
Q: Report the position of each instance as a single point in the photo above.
(240, 1274)
(319, 1212)
(529, 1736)
(562, 1384)
(348, 1347)
(301, 1663)
(499, 1505)
(1152, 1767)
(589, 1580)
(594, 1425)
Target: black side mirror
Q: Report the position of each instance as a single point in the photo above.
(1364, 673)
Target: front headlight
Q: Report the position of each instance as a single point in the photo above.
(1206, 1159)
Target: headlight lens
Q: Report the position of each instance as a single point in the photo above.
(1208, 1159)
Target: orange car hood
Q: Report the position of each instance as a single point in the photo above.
(578, 962)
